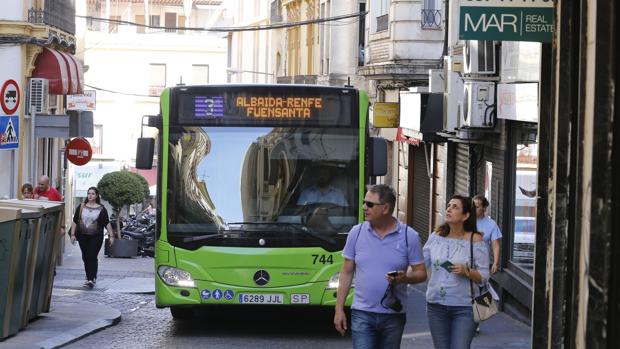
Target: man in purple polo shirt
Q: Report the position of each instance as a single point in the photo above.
(375, 248)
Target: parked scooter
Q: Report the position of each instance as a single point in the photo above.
(142, 229)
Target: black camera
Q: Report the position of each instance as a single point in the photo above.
(390, 301)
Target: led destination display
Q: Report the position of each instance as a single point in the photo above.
(281, 106)
(277, 107)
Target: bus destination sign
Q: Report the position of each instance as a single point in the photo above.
(209, 107)
(277, 107)
(285, 106)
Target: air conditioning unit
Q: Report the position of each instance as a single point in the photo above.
(38, 91)
(480, 57)
(453, 92)
(477, 104)
(436, 81)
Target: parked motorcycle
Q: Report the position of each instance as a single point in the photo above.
(141, 228)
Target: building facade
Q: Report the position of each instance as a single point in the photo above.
(38, 71)
(249, 52)
(468, 114)
(130, 65)
(403, 40)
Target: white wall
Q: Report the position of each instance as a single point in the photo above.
(121, 61)
(344, 39)
(12, 10)
(251, 50)
(10, 69)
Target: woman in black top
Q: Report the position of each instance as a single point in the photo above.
(88, 222)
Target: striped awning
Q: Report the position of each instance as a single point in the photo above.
(63, 71)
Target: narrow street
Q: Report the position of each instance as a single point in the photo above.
(123, 282)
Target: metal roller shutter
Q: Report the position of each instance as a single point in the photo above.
(421, 190)
(461, 169)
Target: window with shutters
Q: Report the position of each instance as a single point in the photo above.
(113, 26)
(139, 28)
(170, 19)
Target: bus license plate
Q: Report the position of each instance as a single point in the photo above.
(260, 298)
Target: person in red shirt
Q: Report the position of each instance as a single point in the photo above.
(43, 191)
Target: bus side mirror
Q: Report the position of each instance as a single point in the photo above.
(144, 153)
(377, 156)
(146, 145)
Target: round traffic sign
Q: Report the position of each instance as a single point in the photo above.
(78, 151)
(9, 97)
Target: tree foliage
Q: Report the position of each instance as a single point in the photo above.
(122, 188)
(144, 184)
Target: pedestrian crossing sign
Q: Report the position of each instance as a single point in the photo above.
(9, 132)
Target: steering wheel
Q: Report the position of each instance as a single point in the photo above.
(316, 216)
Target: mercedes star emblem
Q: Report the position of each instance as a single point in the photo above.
(261, 278)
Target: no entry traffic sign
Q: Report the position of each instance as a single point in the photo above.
(9, 97)
(78, 151)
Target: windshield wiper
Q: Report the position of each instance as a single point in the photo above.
(296, 226)
(314, 234)
(201, 237)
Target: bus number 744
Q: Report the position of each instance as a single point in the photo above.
(323, 259)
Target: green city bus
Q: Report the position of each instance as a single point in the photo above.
(258, 187)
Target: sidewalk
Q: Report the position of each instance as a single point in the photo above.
(76, 312)
(499, 332)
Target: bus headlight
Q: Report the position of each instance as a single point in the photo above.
(175, 277)
(334, 281)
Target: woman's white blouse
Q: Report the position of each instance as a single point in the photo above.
(444, 287)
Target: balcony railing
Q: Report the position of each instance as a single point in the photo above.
(59, 17)
(431, 19)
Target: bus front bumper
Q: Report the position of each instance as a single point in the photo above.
(212, 293)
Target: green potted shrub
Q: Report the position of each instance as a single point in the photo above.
(121, 189)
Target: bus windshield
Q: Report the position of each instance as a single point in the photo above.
(229, 186)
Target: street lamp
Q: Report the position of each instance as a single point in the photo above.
(231, 71)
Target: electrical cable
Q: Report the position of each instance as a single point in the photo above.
(230, 29)
(117, 92)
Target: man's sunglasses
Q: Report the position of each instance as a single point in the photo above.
(371, 204)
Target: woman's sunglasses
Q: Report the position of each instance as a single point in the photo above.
(371, 204)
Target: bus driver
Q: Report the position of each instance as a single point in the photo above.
(322, 192)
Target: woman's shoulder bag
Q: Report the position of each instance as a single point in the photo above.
(483, 306)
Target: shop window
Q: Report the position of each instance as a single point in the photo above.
(524, 224)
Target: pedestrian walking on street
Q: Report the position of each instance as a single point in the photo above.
(27, 191)
(487, 226)
(490, 231)
(385, 255)
(447, 254)
(87, 228)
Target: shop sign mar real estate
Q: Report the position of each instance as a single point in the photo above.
(506, 20)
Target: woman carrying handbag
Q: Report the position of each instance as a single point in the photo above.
(447, 256)
(87, 228)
